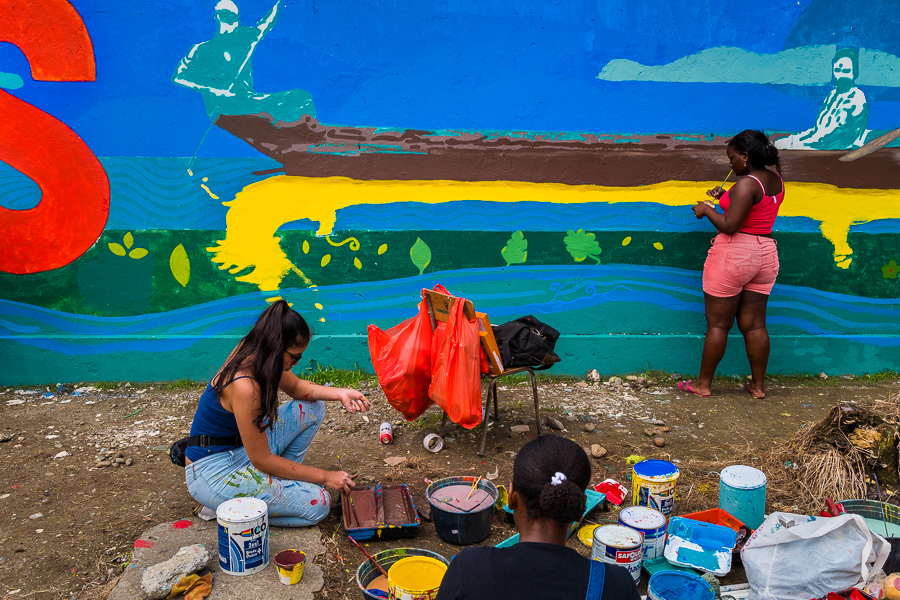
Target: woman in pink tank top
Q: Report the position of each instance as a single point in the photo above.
(742, 263)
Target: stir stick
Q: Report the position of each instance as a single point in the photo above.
(474, 485)
(372, 560)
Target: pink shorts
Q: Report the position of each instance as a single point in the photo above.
(740, 262)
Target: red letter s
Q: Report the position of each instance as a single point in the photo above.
(74, 202)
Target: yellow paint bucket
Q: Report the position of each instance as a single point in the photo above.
(653, 485)
(415, 578)
(290, 566)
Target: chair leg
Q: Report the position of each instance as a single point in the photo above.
(537, 408)
(443, 429)
(496, 412)
(484, 425)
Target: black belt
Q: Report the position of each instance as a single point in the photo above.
(205, 441)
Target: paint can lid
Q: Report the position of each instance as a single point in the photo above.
(642, 517)
(743, 477)
(241, 510)
(618, 536)
(656, 470)
(416, 574)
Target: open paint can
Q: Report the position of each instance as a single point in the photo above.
(649, 522)
(289, 564)
(462, 508)
(416, 578)
(619, 545)
(243, 536)
(653, 485)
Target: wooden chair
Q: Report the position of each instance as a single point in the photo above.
(439, 306)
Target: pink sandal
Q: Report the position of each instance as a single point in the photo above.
(685, 386)
(752, 395)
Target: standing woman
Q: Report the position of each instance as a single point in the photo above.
(245, 444)
(742, 264)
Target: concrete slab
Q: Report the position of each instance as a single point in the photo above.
(165, 540)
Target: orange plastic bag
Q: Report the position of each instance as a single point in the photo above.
(402, 360)
(456, 368)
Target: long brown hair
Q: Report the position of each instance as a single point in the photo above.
(262, 351)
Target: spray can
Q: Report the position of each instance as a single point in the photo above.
(386, 434)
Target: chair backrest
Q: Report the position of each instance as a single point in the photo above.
(439, 306)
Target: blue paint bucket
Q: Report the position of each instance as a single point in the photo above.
(742, 493)
(678, 585)
(243, 536)
(653, 485)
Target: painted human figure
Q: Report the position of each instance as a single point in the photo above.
(844, 117)
(221, 69)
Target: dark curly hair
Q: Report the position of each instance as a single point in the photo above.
(536, 480)
(760, 151)
(262, 351)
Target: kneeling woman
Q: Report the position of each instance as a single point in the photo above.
(550, 475)
(259, 445)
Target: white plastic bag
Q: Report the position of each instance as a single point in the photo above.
(798, 557)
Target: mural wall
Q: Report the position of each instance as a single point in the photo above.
(168, 169)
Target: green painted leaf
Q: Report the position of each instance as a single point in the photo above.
(582, 245)
(326, 259)
(180, 265)
(128, 239)
(305, 247)
(357, 263)
(382, 249)
(516, 250)
(116, 249)
(138, 253)
(420, 254)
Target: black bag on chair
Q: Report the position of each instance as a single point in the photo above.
(526, 342)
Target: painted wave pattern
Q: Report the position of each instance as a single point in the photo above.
(598, 300)
(157, 193)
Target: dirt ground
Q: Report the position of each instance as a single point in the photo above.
(71, 512)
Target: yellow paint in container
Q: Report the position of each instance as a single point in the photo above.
(415, 578)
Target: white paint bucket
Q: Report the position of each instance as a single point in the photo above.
(649, 522)
(243, 536)
(619, 545)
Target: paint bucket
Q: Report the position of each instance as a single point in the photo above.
(742, 493)
(289, 564)
(369, 578)
(678, 585)
(457, 520)
(243, 536)
(649, 522)
(653, 485)
(619, 545)
(415, 578)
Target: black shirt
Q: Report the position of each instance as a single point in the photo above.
(529, 570)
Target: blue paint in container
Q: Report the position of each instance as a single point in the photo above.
(678, 585)
(742, 493)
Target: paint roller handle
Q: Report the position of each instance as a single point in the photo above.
(367, 555)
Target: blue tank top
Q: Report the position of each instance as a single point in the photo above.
(212, 420)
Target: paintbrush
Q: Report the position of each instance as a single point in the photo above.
(372, 560)
(474, 485)
(349, 496)
(715, 201)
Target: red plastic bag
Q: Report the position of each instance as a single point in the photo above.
(402, 360)
(456, 368)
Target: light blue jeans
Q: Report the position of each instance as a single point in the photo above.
(225, 475)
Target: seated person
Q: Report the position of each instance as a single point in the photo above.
(550, 475)
(260, 445)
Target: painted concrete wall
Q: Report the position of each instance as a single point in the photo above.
(171, 167)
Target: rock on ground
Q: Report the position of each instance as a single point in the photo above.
(158, 580)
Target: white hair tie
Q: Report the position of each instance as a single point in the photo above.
(558, 478)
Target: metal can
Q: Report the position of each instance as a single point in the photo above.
(386, 434)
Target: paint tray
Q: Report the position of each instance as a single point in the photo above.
(593, 500)
(655, 565)
(718, 516)
(384, 513)
(703, 546)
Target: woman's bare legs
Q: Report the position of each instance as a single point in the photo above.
(720, 313)
(751, 318)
